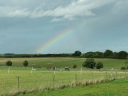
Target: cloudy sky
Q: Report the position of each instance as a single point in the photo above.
(97, 25)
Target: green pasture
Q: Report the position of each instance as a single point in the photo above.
(114, 88)
(43, 79)
(61, 62)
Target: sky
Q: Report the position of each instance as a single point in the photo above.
(63, 26)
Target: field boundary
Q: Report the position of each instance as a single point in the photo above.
(72, 85)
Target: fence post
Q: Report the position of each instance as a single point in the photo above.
(106, 75)
(92, 77)
(116, 74)
(53, 81)
(125, 73)
(18, 84)
(76, 78)
(120, 74)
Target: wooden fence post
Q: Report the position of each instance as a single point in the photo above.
(116, 74)
(53, 81)
(125, 73)
(111, 74)
(76, 78)
(18, 84)
(106, 75)
(120, 74)
(92, 77)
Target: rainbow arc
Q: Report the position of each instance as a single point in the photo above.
(58, 38)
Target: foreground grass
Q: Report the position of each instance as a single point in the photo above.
(114, 88)
(61, 62)
(42, 79)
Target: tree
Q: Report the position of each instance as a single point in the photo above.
(127, 57)
(89, 55)
(74, 66)
(122, 55)
(98, 54)
(25, 63)
(123, 68)
(77, 53)
(89, 63)
(108, 53)
(99, 65)
(9, 63)
(115, 55)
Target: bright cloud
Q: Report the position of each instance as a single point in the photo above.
(70, 11)
(13, 12)
(56, 20)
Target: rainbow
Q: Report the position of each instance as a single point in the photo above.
(59, 38)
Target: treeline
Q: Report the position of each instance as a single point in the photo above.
(107, 54)
(97, 54)
(34, 55)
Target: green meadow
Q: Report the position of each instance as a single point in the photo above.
(42, 79)
(61, 62)
(114, 88)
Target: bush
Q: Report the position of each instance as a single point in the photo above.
(123, 68)
(99, 65)
(89, 63)
(9, 63)
(126, 63)
(77, 53)
(25, 63)
(74, 66)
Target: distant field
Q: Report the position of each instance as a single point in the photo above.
(61, 62)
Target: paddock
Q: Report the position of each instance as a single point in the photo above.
(43, 78)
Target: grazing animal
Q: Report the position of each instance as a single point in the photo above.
(49, 68)
(66, 68)
(54, 68)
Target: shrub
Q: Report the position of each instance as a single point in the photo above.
(89, 63)
(99, 65)
(126, 63)
(123, 68)
(74, 66)
(25, 63)
(9, 63)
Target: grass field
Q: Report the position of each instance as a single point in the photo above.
(114, 88)
(61, 62)
(43, 79)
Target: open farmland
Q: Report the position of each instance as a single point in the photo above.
(61, 62)
(43, 79)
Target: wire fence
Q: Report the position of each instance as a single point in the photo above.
(19, 79)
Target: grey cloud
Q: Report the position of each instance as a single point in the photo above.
(68, 11)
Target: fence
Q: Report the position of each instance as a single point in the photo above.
(19, 79)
